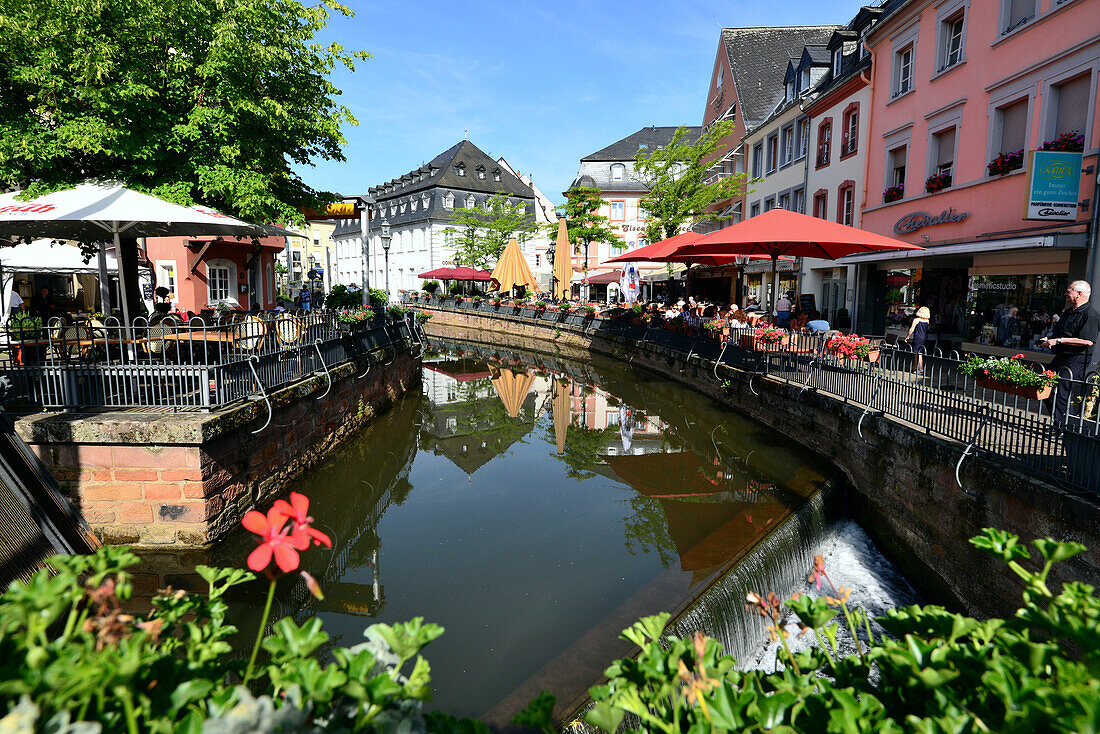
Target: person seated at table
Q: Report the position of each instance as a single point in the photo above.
(254, 308)
(816, 324)
(40, 303)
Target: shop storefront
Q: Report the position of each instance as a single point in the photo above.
(758, 281)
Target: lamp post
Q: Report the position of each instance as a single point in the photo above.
(386, 250)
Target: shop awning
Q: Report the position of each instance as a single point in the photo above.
(1062, 240)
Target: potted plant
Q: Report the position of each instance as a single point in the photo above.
(1073, 142)
(851, 346)
(1010, 375)
(937, 182)
(497, 301)
(397, 313)
(1006, 163)
(764, 337)
(354, 319)
(893, 193)
(540, 306)
(589, 311)
(716, 329)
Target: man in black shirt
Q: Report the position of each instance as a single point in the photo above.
(1072, 340)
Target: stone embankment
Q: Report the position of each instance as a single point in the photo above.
(902, 480)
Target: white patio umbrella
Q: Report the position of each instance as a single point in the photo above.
(95, 212)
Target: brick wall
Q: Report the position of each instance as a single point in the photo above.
(902, 484)
(184, 480)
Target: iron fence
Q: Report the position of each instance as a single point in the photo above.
(926, 390)
(181, 366)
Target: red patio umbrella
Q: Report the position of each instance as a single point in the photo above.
(780, 232)
(441, 273)
(465, 273)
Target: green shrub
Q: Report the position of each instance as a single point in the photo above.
(378, 299)
(431, 286)
(341, 297)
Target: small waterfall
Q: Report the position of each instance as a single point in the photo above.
(780, 563)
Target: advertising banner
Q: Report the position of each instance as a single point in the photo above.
(1053, 183)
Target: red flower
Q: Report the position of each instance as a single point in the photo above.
(274, 540)
(1018, 356)
(298, 511)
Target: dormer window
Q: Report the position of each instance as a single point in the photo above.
(496, 174)
(460, 169)
(432, 173)
(425, 200)
(790, 89)
(805, 85)
(618, 170)
(413, 204)
(449, 201)
(470, 201)
(402, 207)
(838, 59)
(480, 172)
(718, 77)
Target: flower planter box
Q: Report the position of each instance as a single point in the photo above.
(749, 341)
(1030, 392)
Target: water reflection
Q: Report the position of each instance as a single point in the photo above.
(534, 507)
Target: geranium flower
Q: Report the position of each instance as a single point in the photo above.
(275, 540)
(298, 511)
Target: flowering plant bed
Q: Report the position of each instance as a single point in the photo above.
(937, 182)
(1073, 142)
(1010, 375)
(764, 337)
(356, 316)
(851, 346)
(1006, 163)
(894, 193)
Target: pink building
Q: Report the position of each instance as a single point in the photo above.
(203, 272)
(955, 84)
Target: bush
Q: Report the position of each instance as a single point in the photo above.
(378, 299)
(430, 286)
(341, 297)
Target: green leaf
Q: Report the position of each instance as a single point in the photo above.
(604, 716)
(538, 714)
(191, 690)
(1054, 551)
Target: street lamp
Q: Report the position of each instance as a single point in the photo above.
(386, 250)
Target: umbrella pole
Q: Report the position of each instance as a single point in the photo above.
(775, 284)
(122, 282)
(104, 281)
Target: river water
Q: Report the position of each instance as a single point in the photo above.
(535, 507)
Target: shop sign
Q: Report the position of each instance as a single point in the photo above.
(1053, 185)
(919, 220)
(335, 210)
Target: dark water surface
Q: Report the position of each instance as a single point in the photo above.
(534, 507)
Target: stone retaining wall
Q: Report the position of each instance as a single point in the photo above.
(902, 484)
(185, 479)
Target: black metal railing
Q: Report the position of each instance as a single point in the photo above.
(927, 390)
(183, 366)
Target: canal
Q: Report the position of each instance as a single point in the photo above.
(534, 507)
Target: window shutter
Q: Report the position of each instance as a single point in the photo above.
(946, 150)
(1019, 11)
(1013, 127)
(1073, 105)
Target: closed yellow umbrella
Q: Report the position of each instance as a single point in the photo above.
(563, 262)
(512, 270)
(512, 389)
(560, 407)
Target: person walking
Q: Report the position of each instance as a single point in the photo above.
(1072, 340)
(918, 335)
(306, 298)
(783, 311)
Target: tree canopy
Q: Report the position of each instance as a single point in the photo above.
(676, 176)
(481, 233)
(195, 101)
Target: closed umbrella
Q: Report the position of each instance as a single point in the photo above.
(512, 270)
(560, 408)
(563, 263)
(780, 232)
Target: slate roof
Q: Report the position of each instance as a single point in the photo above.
(818, 54)
(445, 165)
(651, 137)
(759, 58)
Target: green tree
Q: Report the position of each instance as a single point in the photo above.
(481, 233)
(584, 222)
(676, 177)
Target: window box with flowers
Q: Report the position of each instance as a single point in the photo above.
(763, 338)
(937, 182)
(1010, 375)
(851, 346)
(1066, 143)
(1006, 163)
(894, 193)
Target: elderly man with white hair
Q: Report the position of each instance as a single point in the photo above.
(1072, 340)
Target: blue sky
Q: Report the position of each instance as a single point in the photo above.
(542, 84)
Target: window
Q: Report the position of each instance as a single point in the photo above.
(838, 59)
(617, 171)
(471, 202)
(449, 201)
(821, 204)
(1016, 13)
(769, 203)
(219, 281)
(787, 144)
(166, 277)
(903, 71)
(845, 203)
(943, 146)
(1070, 105)
(798, 201)
(805, 79)
(802, 136)
(850, 140)
(951, 40)
(1011, 127)
(895, 166)
(538, 260)
(481, 173)
(757, 160)
(718, 77)
(618, 211)
(425, 200)
(784, 202)
(496, 174)
(824, 141)
(773, 145)
(460, 169)
(754, 209)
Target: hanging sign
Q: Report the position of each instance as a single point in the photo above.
(335, 210)
(1053, 185)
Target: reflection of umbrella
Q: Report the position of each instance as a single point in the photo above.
(563, 262)
(560, 408)
(91, 212)
(781, 232)
(512, 389)
(512, 270)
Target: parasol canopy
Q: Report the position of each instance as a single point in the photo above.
(563, 262)
(512, 270)
(441, 273)
(465, 273)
